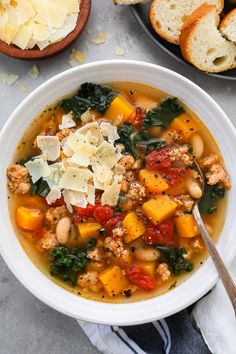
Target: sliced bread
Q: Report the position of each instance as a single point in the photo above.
(203, 45)
(168, 16)
(129, 2)
(228, 26)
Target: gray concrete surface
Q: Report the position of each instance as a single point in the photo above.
(27, 326)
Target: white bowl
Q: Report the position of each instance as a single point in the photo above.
(27, 273)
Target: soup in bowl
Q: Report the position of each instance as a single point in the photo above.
(101, 188)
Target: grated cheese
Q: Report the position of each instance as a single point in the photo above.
(75, 179)
(111, 195)
(53, 195)
(67, 121)
(101, 38)
(34, 72)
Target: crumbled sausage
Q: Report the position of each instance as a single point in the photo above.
(171, 136)
(90, 281)
(208, 161)
(180, 154)
(127, 161)
(64, 133)
(115, 244)
(217, 174)
(163, 272)
(53, 215)
(47, 242)
(19, 181)
(137, 165)
(129, 176)
(124, 186)
(185, 203)
(136, 191)
(95, 255)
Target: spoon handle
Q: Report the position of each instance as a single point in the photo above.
(219, 264)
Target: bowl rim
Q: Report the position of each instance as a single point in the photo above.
(55, 48)
(107, 313)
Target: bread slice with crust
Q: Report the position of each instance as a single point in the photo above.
(129, 2)
(228, 26)
(168, 16)
(203, 45)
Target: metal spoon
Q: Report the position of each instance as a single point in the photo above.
(224, 275)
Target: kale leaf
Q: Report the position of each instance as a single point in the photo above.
(175, 259)
(125, 131)
(146, 142)
(164, 113)
(207, 204)
(89, 96)
(67, 263)
(40, 188)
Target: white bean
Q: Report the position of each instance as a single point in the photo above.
(193, 188)
(63, 230)
(147, 254)
(197, 145)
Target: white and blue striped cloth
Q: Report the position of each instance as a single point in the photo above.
(174, 335)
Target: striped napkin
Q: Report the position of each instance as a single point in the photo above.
(173, 335)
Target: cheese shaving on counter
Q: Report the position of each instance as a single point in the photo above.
(90, 163)
(30, 23)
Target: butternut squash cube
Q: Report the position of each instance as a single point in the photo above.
(119, 110)
(29, 219)
(178, 188)
(186, 226)
(185, 125)
(87, 230)
(159, 209)
(133, 227)
(113, 280)
(124, 261)
(153, 181)
(149, 267)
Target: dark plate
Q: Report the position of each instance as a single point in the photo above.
(140, 13)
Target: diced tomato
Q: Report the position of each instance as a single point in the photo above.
(162, 234)
(158, 159)
(58, 202)
(139, 117)
(137, 276)
(166, 228)
(111, 224)
(86, 212)
(172, 175)
(39, 233)
(103, 213)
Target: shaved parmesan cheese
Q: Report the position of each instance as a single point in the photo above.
(75, 179)
(109, 131)
(103, 174)
(22, 37)
(74, 198)
(106, 155)
(21, 86)
(67, 121)
(57, 14)
(10, 32)
(91, 128)
(91, 194)
(71, 5)
(50, 146)
(101, 38)
(111, 195)
(10, 79)
(37, 168)
(24, 11)
(119, 51)
(87, 116)
(53, 195)
(119, 169)
(77, 57)
(34, 72)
